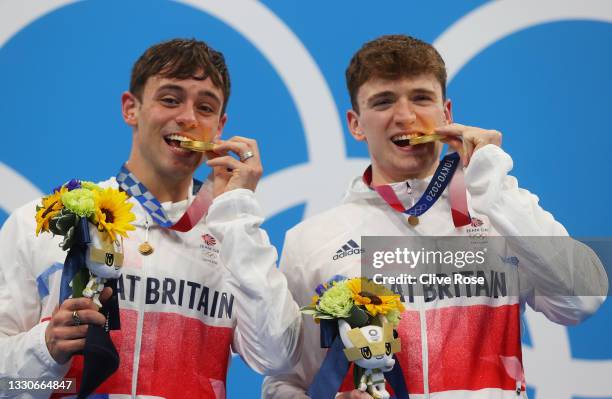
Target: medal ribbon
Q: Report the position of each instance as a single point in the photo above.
(198, 208)
(446, 172)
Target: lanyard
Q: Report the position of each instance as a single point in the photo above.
(198, 208)
(446, 172)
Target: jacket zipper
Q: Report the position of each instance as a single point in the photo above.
(140, 319)
(424, 348)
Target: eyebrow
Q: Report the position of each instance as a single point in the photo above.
(201, 93)
(390, 93)
(382, 94)
(424, 91)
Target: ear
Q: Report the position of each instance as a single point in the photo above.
(448, 111)
(352, 118)
(387, 328)
(129, 108)
(220, 126)
(343, 329)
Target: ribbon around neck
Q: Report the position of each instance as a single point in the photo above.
(446, 172)
(198, 208)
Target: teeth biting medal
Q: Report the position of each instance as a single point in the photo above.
(424, 138)
(198, 146)
(187, 141)
(428, 138)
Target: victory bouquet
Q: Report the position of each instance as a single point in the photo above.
(92, 221)
(357, 319)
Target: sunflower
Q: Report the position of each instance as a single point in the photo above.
(375, 298)
(51, 206)
(113, 212)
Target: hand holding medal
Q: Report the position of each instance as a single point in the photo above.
(230, 173)
(467, 139)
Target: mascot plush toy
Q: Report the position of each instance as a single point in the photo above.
(103, 260)
(371, 348)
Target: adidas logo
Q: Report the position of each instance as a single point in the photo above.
(348, 249)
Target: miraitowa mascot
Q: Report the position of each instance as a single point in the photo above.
(371, 348)
(104, 259)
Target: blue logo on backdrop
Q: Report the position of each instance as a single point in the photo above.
(537, 71)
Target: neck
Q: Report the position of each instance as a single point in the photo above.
(163, 188)
(380, 177)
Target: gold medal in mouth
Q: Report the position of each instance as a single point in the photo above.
(407, 139)
(186, 139)
(428, 138)
(197, 146)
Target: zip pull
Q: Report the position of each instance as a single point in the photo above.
(145, 248)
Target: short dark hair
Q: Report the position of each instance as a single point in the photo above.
(181, 59)
(393, 57)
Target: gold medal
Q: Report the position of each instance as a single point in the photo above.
(413, 220)
(428, 138)
(198, 146)
(145, 248)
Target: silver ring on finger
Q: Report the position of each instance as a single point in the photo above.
(246, 155)
(76, 318)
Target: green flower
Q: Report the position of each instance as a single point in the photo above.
(90, 186)
(80, 201)
(337, 300)
(393, 317)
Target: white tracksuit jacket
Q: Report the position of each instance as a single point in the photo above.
(182, 307)
(460, 347)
